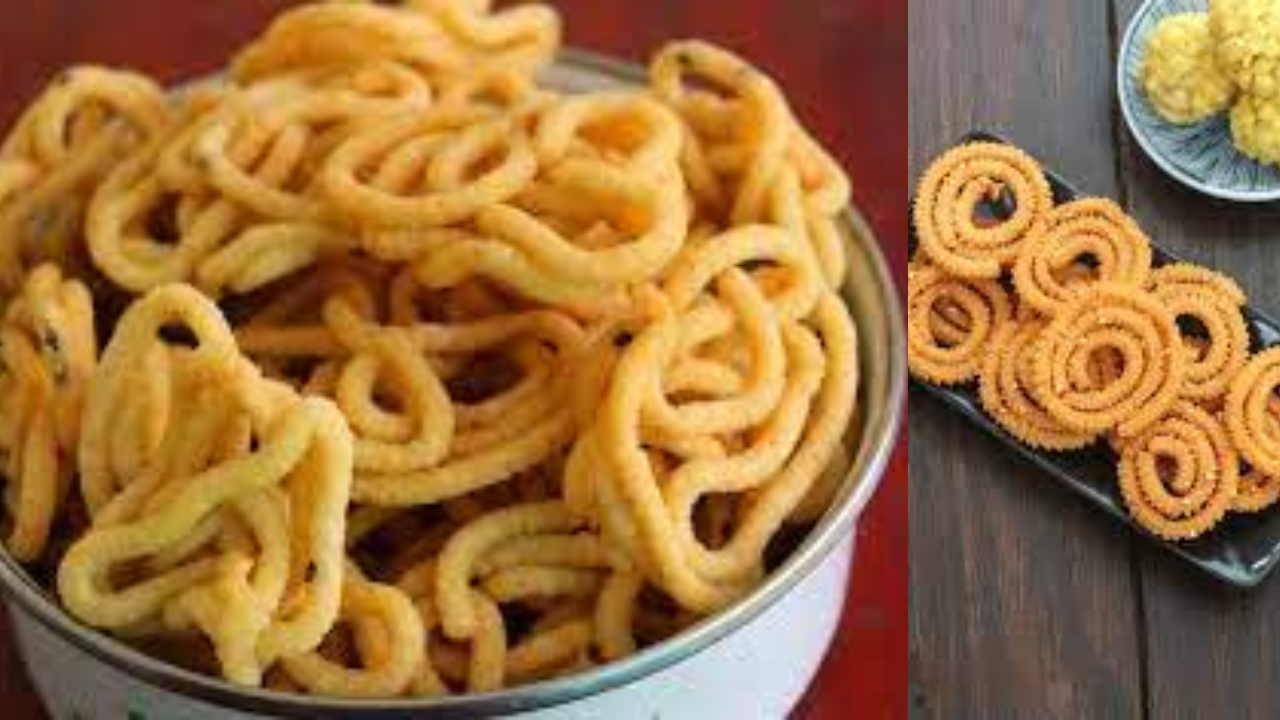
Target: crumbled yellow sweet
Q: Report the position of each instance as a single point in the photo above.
(1180, 74)
(1247, 36)
(1255, 125)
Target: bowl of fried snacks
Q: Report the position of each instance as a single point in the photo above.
(415, 366)
(1199, 88)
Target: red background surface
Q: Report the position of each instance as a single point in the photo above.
(843, 63)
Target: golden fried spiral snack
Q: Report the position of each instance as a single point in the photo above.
(1110, 318)
(1178, 477)
(1007, 375)
(1156, 360)
(983, 304)
(49, 350)
(1096, 229)
(1215, 302)
(1186, 275)
(1250, 413)
(951, 193)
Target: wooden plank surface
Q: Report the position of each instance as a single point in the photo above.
(1023, 600)
(840, 60)
(1211, 650)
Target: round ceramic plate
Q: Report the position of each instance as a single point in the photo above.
(1201, 156)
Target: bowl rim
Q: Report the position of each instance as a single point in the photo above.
(1128, 47)
(879, 414)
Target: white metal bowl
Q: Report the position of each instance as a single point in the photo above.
(754, 660)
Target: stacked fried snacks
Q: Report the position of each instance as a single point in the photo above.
(1078, 338)
(377, 369)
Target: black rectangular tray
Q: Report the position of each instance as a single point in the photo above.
(1240, 551)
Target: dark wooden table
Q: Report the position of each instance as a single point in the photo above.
(842, 63)
(1026, 602)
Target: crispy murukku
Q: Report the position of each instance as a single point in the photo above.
(1110, 318)
(1250, 412)
(955, 355)
(1093, 233)
(1213, 302)
(956, 186)
(1007, 373)
(1179, 476)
